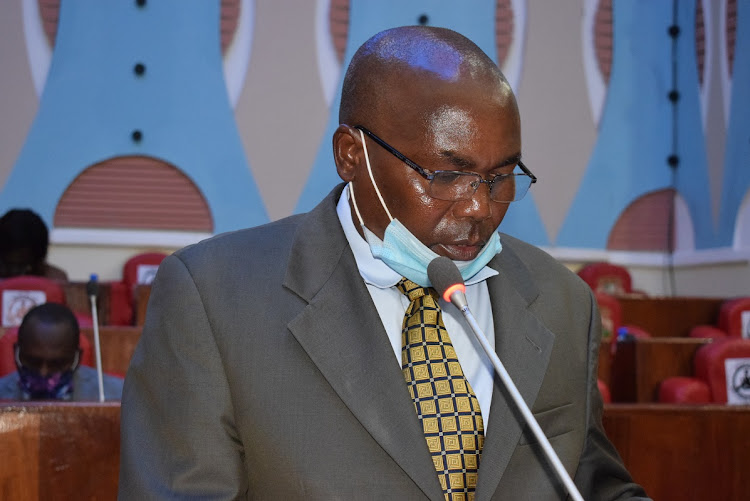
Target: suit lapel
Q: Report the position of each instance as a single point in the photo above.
(341, 332)
(523, 345)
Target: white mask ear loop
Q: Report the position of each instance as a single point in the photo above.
(369, 171)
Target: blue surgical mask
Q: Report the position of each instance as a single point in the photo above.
(406, 254)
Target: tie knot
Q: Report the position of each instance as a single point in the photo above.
(414, 291)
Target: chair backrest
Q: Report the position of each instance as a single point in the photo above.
(7, 356)
(19, 294)
(704, 331)
(607, 277)
(709, 364)
(734, 317)
(611, 314)
(141, 268)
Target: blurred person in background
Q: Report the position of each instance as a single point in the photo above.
(24, 240)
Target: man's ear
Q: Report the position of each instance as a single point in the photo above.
(347, 151)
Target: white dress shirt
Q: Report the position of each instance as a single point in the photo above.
(391, 305)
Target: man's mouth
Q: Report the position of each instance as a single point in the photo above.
(459, 251)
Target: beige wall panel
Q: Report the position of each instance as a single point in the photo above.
(17, 98)
(281, 113)
(715, 121)
(558, 130)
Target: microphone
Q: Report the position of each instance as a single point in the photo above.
(447, 280)
(92, 289)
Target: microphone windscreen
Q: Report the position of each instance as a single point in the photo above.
(92, 287)
(443, 273)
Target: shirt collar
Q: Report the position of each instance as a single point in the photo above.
(374, 271)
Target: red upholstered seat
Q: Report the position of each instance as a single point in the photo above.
(607, 277)
(707, 331)
(709, 371)
(709, 363)
(684, 390)
(141, 264)
(7, 356)
(19, 294)
(731, 317)
(137, 270)
(604, 390)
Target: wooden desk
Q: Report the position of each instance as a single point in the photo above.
(639, 366)
(59, 451)
(118, 344)
(669, 316)
(68, 451)
(680, 453)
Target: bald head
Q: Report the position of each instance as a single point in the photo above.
(427, 55)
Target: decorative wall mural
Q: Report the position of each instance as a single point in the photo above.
(736, 185)
(148, 88)
(133, 193)
(642, 126)
(137, 79)
(41, 18)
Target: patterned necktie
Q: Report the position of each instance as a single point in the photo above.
(445, 403)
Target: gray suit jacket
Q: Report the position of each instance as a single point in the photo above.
(264, 372)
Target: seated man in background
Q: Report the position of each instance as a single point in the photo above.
(24, 240)
(47, 356)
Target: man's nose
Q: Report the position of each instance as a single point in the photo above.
(478, 206)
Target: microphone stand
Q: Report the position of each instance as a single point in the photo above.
(92, 288)
(459, 300)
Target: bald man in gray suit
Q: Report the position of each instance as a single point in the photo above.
(266, 369)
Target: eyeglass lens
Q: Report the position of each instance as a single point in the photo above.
(460, 186)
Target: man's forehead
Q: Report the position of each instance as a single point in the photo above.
(45, 332)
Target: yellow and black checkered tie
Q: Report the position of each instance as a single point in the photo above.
(445, 403)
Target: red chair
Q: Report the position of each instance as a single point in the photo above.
(731, 316)
(7, 355)
(709, 371)
(607, 277)
(604, 390)
(611, 314)
(19, 294)
(707, 331)
(684, 390)
(139, 269)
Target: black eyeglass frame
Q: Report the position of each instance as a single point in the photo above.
(430, 175)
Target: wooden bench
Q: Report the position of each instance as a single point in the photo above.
(640, 365)
(669, 316)
(684, 452)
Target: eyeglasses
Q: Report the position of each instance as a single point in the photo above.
(453, 185)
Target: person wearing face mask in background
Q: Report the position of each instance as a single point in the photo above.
(279, 362)
(47, 356)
